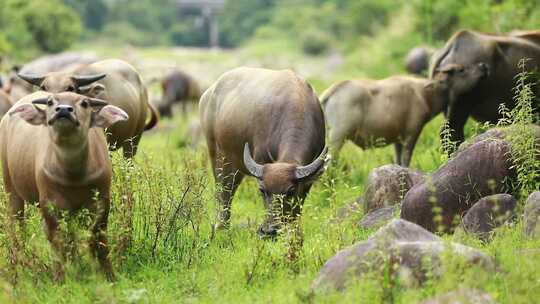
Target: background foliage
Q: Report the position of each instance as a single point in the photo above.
(311, 26)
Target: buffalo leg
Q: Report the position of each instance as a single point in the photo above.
(51, 230)
(457, 117)
(398, 148)
(228, 179)
(98, 241)
(408, 149)
(337, 139)
(129, 147)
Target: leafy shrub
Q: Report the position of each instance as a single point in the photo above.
(53, 25)
(189, 32)
(315, 42)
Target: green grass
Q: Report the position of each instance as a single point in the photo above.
(164, 250)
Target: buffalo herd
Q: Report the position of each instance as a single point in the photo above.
(263, 123)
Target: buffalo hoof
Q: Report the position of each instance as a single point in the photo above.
(268, 231)
(221, 226)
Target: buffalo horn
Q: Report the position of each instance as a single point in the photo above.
(32, 79)
(42, 101)
(308, 170)
(82, 81)
(254, 169)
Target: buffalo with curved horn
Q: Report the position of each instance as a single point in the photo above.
(73, 82)
(270, 125)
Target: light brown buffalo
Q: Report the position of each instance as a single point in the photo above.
(115, 81)
(53, 151)
(500, 55)
(393, 110)
(270, 125)
(17, 88)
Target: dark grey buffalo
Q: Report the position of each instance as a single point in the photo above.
(178, 87)
(270, 125)
(498, 56)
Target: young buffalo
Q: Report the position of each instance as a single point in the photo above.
(275, 115)
(53, 151)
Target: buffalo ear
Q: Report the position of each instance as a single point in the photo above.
(30, 113)
(108, 116)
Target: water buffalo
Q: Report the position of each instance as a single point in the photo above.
(270, 125)
(500, 55)
(417, 60)
(178, 87)
(53, 151)
(18, 88)
(394, 109)
(115, 81)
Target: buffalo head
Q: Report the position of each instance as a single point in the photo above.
(69, 116)
(283, 187)
(460, 79)
(57, 82)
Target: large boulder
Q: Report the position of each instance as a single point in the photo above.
(531, 217)
(489, 213)
(462, 296)
(479, 170)
(387, 185)
(413, 251)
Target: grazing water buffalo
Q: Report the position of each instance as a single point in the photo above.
(417, 60)
(270, 125)
(178, 87)
(500, 55)
(115, 81)
(57, 156)
(18, 88)
(393, 109)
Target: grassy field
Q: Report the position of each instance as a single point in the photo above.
(165, 251)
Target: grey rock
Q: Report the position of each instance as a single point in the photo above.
(489, 213)
(378, 218)
(387, 185)
(412, 251)
(531, 216)
(463, 296)
(481, 169)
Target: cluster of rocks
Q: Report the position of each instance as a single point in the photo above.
(469, 193)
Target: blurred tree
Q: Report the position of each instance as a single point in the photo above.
(28, 25)
(93, 12)
(240, 19)
(53, 25)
